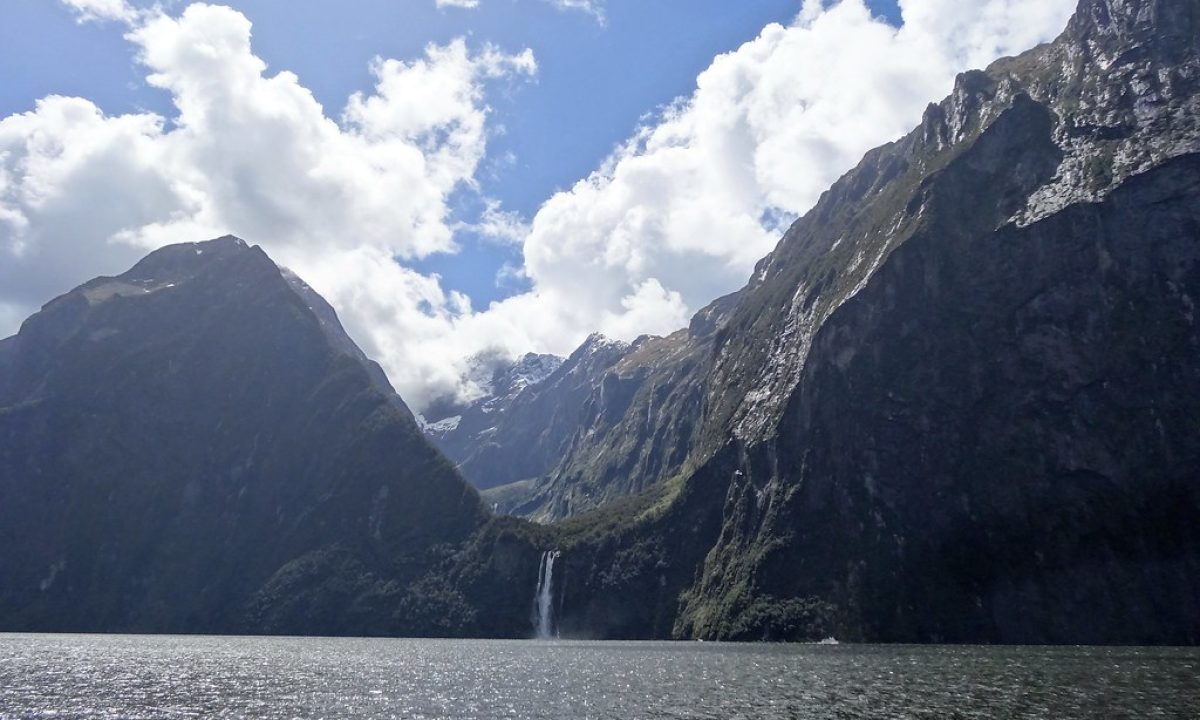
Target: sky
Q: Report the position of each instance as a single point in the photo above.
(462, 179)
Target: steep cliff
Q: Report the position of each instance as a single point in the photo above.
(959, 400)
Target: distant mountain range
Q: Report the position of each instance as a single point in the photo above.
(959, 402)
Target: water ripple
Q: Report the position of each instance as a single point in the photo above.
(134, 677)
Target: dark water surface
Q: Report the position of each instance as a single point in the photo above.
(116, 676)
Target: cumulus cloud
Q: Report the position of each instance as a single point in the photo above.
(496, 224)
(458, 3)
(675, 217)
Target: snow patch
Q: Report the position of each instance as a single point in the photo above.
(443, 426)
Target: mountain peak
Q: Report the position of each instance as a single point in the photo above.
(598, 341)
(1113, 26)
(174, 263)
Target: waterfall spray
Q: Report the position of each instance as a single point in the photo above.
(543, 599)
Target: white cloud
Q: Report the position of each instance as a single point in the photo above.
(499, 225)
(676, 217)
(592, 7)
(650, 305)
(99, 10)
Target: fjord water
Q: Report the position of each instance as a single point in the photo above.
(113, 676)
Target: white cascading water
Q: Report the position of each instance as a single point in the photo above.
(543, 599)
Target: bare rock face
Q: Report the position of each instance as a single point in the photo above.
(196, 446)
(1124, 83)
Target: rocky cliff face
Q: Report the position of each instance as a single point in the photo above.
(958, 401)
(195, 445)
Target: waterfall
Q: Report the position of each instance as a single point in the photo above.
(543, 599)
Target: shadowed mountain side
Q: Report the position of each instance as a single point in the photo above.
(174, 437)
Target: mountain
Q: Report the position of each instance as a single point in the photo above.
(465, 431)
(196, 446)
(960, 401)
(546, 451)
(613, 420)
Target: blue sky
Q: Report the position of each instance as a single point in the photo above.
(461, 183)
(595, 80)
